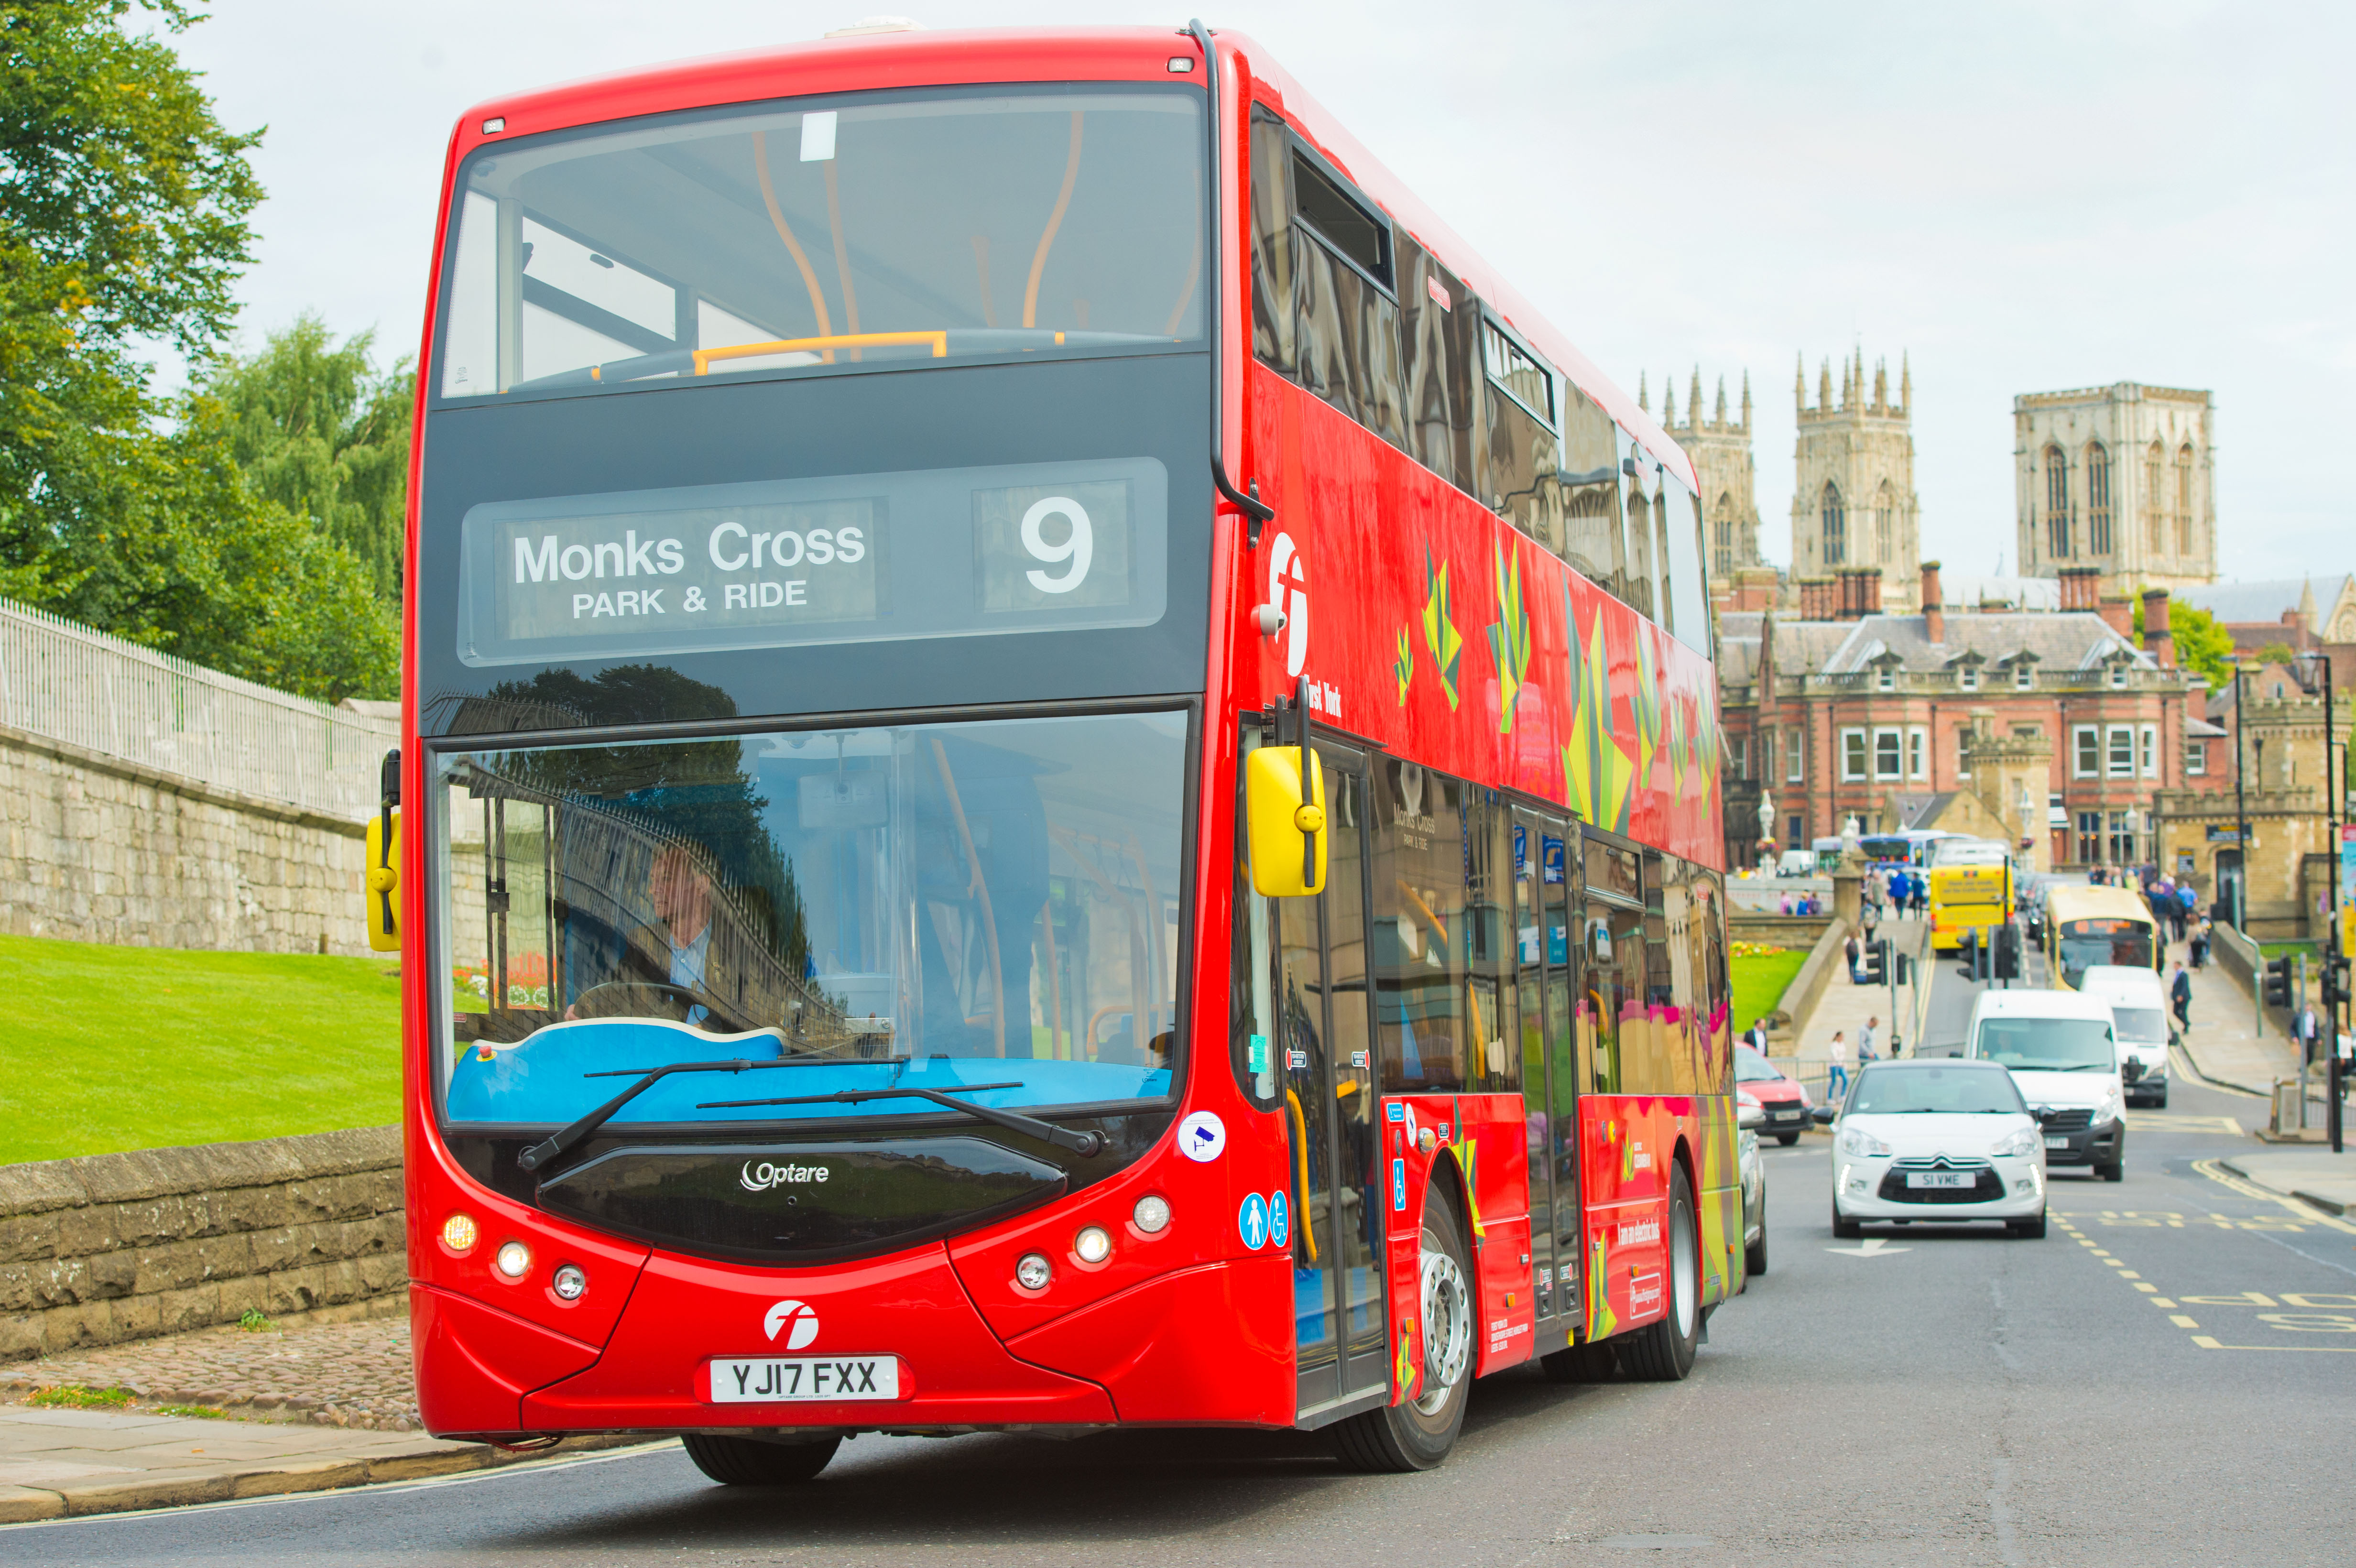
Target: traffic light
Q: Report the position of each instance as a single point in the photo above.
(1877, 967)
(2007, 952)
(2278, 982)
(2335, 982)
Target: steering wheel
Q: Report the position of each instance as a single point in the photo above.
(691, 998)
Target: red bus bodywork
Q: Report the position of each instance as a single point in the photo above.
(1612, 718)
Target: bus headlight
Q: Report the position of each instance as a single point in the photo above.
(1151, 1214)
(513, 1259)
(1033, 1272)
(459, 1233)
(1093, 1244)
(569, 1283)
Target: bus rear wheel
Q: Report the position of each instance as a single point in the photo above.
(1663, 1352)
(751, 1462)
(1417, 1433)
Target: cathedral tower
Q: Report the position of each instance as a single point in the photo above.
(1854, 505)
(2120, 477)
(1720, 449)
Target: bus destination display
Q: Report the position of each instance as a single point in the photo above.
(941, 552)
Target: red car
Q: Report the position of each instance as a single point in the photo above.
(1784, 1099)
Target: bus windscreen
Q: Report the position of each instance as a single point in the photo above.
(2087, 943)
(873, 229)
(986, 909)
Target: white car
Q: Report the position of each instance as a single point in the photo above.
(1749, 1117)
(2139, 1017)
(2062, 1049)
(1938, 1140)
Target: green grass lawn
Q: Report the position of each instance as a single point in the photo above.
(122, 1047)
(1759, 983)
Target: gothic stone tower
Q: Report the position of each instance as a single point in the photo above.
(1721, 449)
(1854, 504)
(2119, 477)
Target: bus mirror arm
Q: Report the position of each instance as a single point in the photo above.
(1256, 511)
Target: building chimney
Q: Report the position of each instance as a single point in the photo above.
(2081, 587)
(2158, 640)
(1934, 613)
(1868, 591)
(2117, 612)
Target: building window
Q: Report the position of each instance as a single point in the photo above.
(2088, 742)
(1836, 521)
(2121, 751)
(2155, 497)
(1741, 745)
(1918, 752)
(2184, 500)
(1962, 755)
(2119, 675)
(1889, 677)
(2122, 843)
(1795, 754)
(1852, 756)
(2098, 499)
(2147, 751)
(2023, 677)
(1969, 678)
(2090, 838)
(1799, 832)
(2057, 504)
(2196, 757)
(1888, 760)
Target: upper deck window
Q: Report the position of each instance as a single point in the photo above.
(880, 230)
(1361, 237)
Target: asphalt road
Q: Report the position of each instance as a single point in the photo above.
(2166, 1379)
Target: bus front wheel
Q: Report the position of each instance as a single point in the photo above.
(1417, 1433)
(750, 1462)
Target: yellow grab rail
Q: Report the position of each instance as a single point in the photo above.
(704, 357)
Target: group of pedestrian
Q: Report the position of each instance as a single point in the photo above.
(1836, 1056)
(1802, 903)
(1908, 893)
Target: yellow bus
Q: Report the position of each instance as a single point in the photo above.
(1972, 896)
(2085, 927)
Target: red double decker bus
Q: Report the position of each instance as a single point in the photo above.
(1061, 771)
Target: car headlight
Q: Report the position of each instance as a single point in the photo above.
(1859, 1142)
(2111, 1108)
(2018, 1144)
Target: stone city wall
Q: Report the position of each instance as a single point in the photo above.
(100, 849)
(126, 1246)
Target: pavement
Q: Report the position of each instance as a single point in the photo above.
(2227, 1044)
(222, 1414)
(1844, 1007)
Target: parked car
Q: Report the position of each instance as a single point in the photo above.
(1783, 1099)
(2062, 1048)
(2145, 1027)
(1753, 1170)
(1940, 1141)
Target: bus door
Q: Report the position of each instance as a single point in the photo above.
(1543, 955)
(1328, 1041)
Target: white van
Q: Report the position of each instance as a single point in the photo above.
(2063, 1049)
(2139, 1013)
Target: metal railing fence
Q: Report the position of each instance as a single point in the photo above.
(67, 683)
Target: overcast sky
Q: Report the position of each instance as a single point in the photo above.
(2024, 197)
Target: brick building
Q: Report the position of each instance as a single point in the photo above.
(1844, 710)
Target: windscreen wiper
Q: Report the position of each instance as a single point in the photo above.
(553, 1148)
(1086, 1144)
(953, 339)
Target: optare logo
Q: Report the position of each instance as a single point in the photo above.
(1288, 590)
(803, 1318)
(761, 1178)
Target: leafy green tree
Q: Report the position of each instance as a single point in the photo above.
(2201, 644)
(319, 431)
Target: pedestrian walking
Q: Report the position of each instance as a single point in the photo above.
(1919, 891)
(1836, 1066)
(1855, 951)
(2180, 995)
(1864, 1052)
(2199, 945)
(2307, 1030)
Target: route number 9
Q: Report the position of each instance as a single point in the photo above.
(1078, 548)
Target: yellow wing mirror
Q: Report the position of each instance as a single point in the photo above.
(1288, 821)
(384, 863)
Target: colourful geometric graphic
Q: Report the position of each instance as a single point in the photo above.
(1465, 1149)
(1597, 774)
(1404, 1369)
(1600, 1323)
(1509, 636)
(1647, 705)
(1405, 668)
(1440, 634)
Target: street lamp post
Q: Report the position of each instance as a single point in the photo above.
(2331, 916)
(2241, 816)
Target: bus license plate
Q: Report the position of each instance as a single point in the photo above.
(1940, 1179)
(774, 1380)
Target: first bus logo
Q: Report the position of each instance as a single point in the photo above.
(800, 1315)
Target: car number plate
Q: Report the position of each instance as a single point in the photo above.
(775, 1380)
(1940, 1179)
(2054, 1140)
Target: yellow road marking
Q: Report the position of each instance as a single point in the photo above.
(2183, 1322)
(2206, 1343)
(2215, 1172)
(2146, 1287)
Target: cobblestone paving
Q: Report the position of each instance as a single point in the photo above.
(342, 1374)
